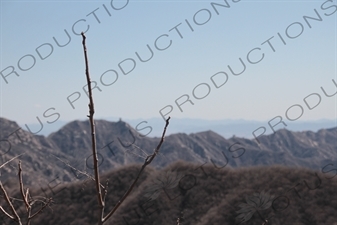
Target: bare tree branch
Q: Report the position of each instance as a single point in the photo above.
(93, 134)
(7, 214)
(11, 160)
(147, 161)
(28, 201)
(42, 208)
(16, 216)
(24, 196)
(79, 171)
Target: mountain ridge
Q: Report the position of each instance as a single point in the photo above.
(119, 144)
(226, 128)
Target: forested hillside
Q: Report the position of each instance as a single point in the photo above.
(201, 195)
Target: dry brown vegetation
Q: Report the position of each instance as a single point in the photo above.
(201, 196)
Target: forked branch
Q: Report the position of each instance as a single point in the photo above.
(148, 160)
(14, 215)
(25, 198)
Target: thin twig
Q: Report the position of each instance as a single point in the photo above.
(145, 153)
(42, 208)
(93, 134)
(16, 216)
(79, 171)
(265, 222)
(24, 197)
(11, 160)
(147, 161)
(6, 213)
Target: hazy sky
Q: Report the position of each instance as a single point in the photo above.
(289, 49)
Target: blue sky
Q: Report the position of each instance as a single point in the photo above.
(291, 69)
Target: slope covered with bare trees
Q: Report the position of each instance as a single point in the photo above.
(202, 195)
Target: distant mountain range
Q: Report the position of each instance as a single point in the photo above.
(119, 144)
(226, 128)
